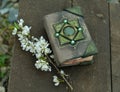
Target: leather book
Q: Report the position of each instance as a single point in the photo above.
(69, 37)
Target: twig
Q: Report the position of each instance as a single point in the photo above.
(70, 86)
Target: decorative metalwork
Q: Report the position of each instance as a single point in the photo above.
(69, 31)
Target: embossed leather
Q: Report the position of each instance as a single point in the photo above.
(81, 49)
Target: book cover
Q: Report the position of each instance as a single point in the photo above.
(69, 37)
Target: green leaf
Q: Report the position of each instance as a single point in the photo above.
(16, 25)
(2, 75)
(3, 59)
(43, 58)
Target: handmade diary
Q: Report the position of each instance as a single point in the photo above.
(69, 37)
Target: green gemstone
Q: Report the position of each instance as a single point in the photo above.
(65, 20)
(69, 31)
(80, 28)
(57, 34)
(72, 42)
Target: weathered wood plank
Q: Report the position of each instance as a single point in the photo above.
(93, 78)
(115, 44)
(24, 77)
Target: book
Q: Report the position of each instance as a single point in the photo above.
(69, 37)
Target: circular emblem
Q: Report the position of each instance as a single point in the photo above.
(68, 31)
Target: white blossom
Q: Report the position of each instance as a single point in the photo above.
(56, 80)
(20, 22)
(14, 32)
(46, 67)
(26, 30)
(24, 43)
(20, 37)
(38, 64)
(38, 55)
(47, 51)
(38, 47)
(31, 47)
(43, 65)
(43, 43)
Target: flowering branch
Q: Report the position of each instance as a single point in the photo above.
(40, 49)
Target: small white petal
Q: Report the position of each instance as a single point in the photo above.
(52, 56)
(56, 81)
(56, 84)
(26, 30)
(62, 72)
(14, 31)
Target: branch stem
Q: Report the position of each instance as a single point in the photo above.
(69, 85)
